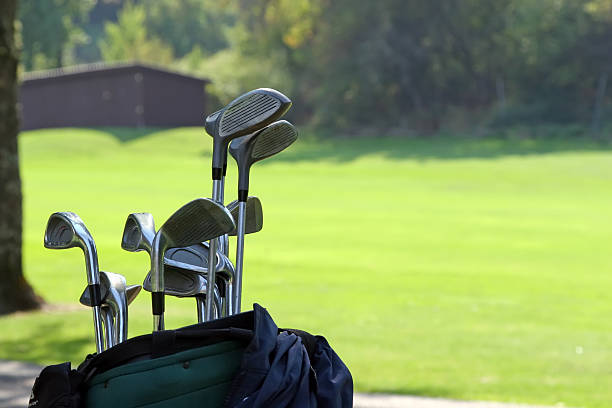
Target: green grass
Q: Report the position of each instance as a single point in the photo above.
(462, 268)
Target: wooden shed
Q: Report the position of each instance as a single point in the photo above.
(132, 95)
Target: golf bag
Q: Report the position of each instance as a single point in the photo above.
(242, 361)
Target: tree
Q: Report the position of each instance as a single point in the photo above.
(128, 39)
(15, 292)
(50, 31)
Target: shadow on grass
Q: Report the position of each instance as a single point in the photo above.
(48, 342)
(431, 392)
(128, 134)
(514, 142)
(436, 148)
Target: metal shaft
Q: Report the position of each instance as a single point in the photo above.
(239, 254)
(97, 318)
(157, 283)
(212, 256)
(223, 243)
(111, 339)
(93, 278)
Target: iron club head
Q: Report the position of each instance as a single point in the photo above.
(138, 232)
(197, 221)
(254, 215)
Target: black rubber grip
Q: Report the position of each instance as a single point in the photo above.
(217, 173)
(157, 301)
(95, 295)
(243, 195)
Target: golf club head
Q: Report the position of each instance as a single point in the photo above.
(131, 292)
(67, 230)
(260, 145)
(245, 114)
(138, 232)
(209, 123)
(179, 282)
(85, 298)
(198, 220)
(254, 215)
(195, 258)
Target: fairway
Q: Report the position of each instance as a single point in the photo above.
(468, 269)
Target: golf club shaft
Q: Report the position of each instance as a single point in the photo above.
(212, 256)
(93, 281)
(223, 242)
(157, 284)
(239, 254)
(201, 306)
(110, 329)
(97, 317)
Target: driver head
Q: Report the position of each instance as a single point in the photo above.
(244, 115)
(260, 145)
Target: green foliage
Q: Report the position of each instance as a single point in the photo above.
(50, 31)
(384, 64)
(188, 24)
(128, 40)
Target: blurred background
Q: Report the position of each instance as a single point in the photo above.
(444, 220)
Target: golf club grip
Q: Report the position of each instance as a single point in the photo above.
(243, 195)
(157, 303)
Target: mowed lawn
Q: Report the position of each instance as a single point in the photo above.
(469, 269)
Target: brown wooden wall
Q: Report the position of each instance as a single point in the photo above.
(132, 95)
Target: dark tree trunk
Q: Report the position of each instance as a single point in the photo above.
(15, 292)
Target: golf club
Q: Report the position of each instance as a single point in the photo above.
(67, 230)
(198, 220)
(184, 283)
(246, 151)
(138, 233)
(242, 116)
(116, 296)
(194, 258)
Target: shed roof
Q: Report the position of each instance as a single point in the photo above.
(101, 68)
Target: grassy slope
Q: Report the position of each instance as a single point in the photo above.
(466, 269)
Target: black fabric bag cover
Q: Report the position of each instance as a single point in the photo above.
(57, 386)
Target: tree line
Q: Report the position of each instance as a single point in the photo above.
(389, 63)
